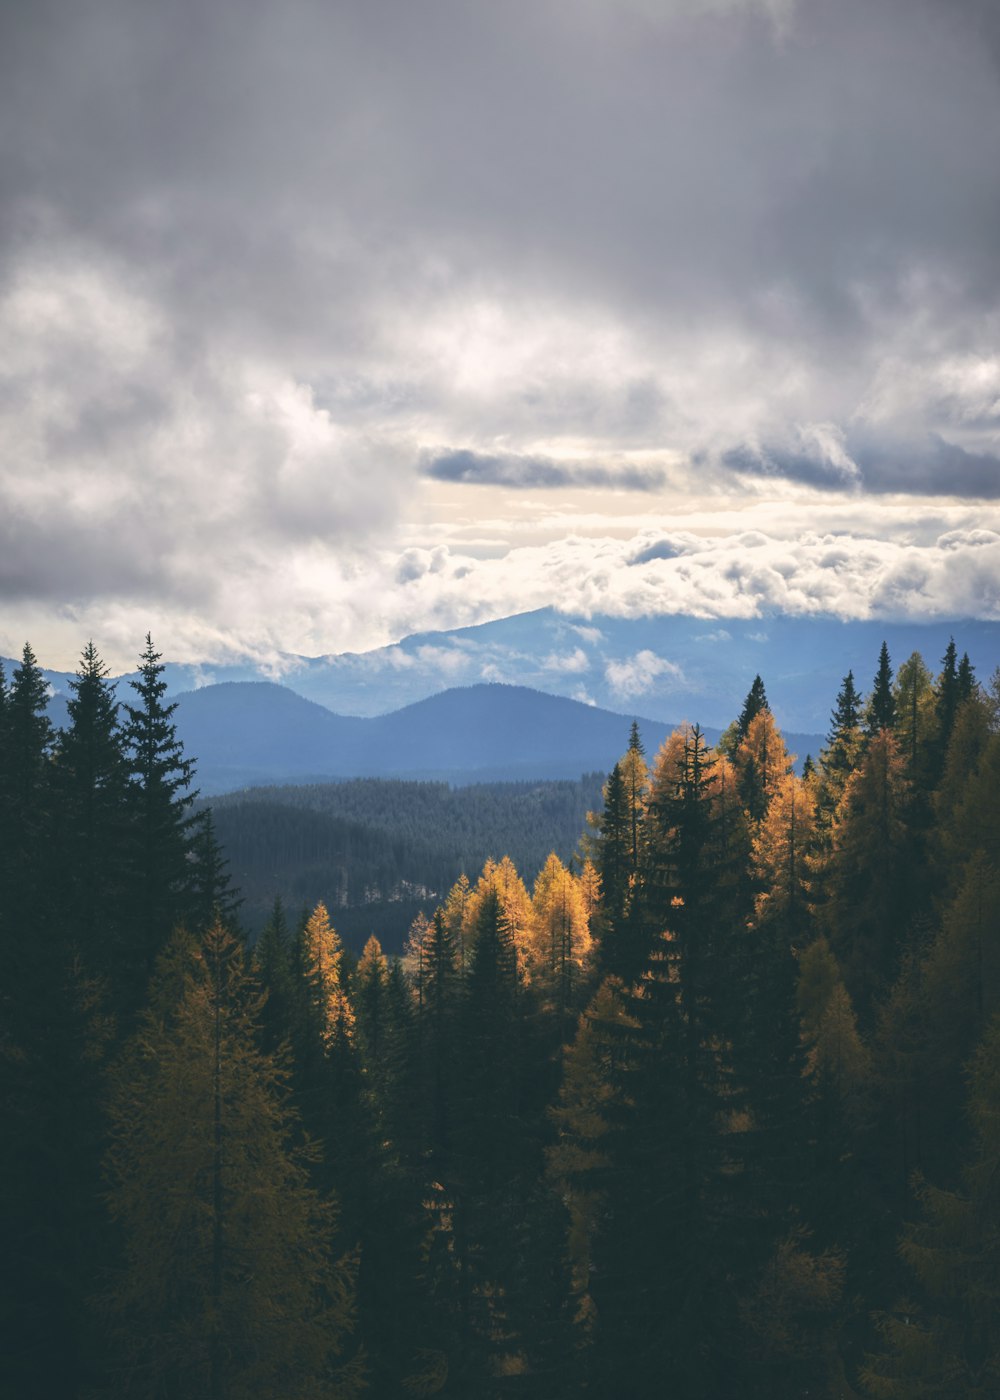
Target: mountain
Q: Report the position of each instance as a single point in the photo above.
(243, 733)
(669, 668)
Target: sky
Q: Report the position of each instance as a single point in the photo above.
(326, 322)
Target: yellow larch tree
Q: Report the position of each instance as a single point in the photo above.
(322, 954)
(501, 877)
(761, 762)
(560, 936)
(781, 850)
(227, 1287)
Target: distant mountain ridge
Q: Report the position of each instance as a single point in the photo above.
(667, 667)
(244, 734)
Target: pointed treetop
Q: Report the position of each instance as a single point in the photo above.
(847, 713)
(755, 702)
(635, 739)
(966, 678)
(882, 705)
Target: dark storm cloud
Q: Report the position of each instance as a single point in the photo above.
(481, 469)
(255, 258)
(667, 155)
(925, 465)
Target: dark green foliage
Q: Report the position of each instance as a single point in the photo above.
(729, 1156)
(755, 702)
(965, 680)
(160, 775)
(25, 795)
(211, 888)
(881, 711)
(612, 856)
(380, 850)
(90, 811)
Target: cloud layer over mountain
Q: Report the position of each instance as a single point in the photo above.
(322, 322)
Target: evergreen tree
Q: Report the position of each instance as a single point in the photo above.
(881, 710)
(947, 695)
(228, 1287)
(914, 697)
(965, 681)
(369, 995)
(489, 1145)
(753, 705)
(273, 966)
(761, 762)
(840, 756)
(612, 853)
(946, 1343)
(869, 876)
(160, 801)
(212, 892)
(91, 834)
(25, 798)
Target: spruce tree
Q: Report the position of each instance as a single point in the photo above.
(869, 876)
(211, 887)
(945, 1342)
(91, 837)
(914, 698)
(25, 799)
(965, 680)
(160, 800)
(881, 711)
(753, 705)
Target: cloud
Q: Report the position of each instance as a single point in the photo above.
(574, 661)
(590, 635)
(246, 294)
(540, 473)
(637, 674)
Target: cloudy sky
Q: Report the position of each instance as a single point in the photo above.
(328, 321)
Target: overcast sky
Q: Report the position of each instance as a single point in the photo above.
(328, 321)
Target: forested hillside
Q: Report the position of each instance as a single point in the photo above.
(712, 1115)
(379, 850)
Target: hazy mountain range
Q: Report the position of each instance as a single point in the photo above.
(244, 733)
(431, 705)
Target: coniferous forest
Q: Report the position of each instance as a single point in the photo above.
(710, 1111)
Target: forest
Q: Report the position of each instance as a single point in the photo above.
(382, 850)
(711, 1111)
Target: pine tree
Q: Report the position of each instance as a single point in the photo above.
(761, 762)
(753, 705)
(25, 798)
(488, 1153)
(881, 710)
(160, 801)
(914, 697)
(91, 835)
(946, 1343)
(227, 1286)
(869, 876)
(273, 966)
(965, 681)
(369, 990)
(947, 695)
(212, 891)
(771, 1059)
(843, 746)
(613, 846)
